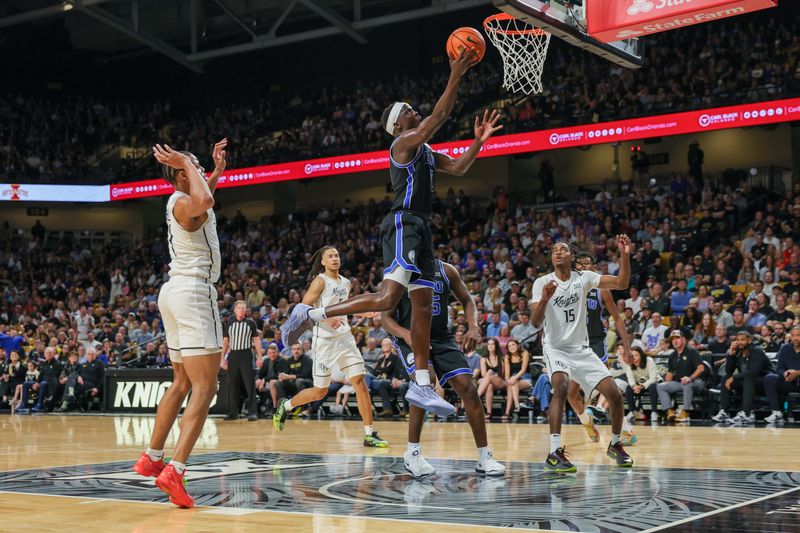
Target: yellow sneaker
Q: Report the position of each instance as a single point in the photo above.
(591, 431)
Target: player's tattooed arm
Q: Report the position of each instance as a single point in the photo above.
(623, 278)
(473, 335)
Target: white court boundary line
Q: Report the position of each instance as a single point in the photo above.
(207, 508)
(722, 510)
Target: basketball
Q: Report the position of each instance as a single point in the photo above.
(466, 38)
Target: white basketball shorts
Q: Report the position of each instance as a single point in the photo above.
(580, 364)
(191, 319)
(330, 351)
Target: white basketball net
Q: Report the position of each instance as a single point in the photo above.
(523, 49)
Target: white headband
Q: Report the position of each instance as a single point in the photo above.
(394, 114)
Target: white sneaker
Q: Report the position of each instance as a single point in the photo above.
(742, 418)
(631, 416)
(654, 416)
(416, 465)
(722, 416)
(775, 417)
(487, 465)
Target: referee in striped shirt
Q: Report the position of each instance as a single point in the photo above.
(239, 337)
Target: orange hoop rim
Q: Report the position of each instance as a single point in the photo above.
(502, 17)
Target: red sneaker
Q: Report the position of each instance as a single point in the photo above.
(147, 467)
(172, 483)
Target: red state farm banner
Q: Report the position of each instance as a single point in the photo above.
(613, 20)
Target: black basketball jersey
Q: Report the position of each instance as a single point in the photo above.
(594, 316)
(413, 183)
(441, 302)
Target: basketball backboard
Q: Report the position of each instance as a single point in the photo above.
(566, 19)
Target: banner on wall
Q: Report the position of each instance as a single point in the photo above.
(27, 192)
(738, 116)
(611, 21)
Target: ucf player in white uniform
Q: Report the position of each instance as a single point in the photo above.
(332, 345)
(559, 301)
(188, 306)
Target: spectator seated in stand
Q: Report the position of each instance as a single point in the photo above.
(683, 375)
(746, 367)
(786, 378)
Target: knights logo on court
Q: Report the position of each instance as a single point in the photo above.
(599, 499)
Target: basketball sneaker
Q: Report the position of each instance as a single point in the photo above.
(627, 438)
(682, 416)
(374, 441)
(618, 453)
(426, 398)
(559, 462)
(598, 414)
(280, 416)
(296, 324)
(721, 417)
(147, 467)
(775, 418)
(416, 465)
(741, 418)
(174, 485)
(592, 431)
(488, 466)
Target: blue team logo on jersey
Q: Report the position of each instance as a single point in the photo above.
(592, 304)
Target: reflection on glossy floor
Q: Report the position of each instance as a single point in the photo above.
(316, 476)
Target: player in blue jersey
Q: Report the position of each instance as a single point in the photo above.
(405, 231)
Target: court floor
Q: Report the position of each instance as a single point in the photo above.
(73, 473)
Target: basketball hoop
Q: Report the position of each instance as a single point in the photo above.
(523, 49)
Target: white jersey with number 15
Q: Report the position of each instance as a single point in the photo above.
(565, 313)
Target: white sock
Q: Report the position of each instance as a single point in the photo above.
(614, 438)
(584, 418)
(423, 378)
(413, 447)
(367, 430)
(555, 442)
(318, 314)
(155, 455)
(288, 405)
(180, 468)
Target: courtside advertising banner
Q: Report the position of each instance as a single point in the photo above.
(720, 118)
(614, 20)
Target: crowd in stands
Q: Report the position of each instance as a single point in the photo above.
(734, 61)
(697, 284)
